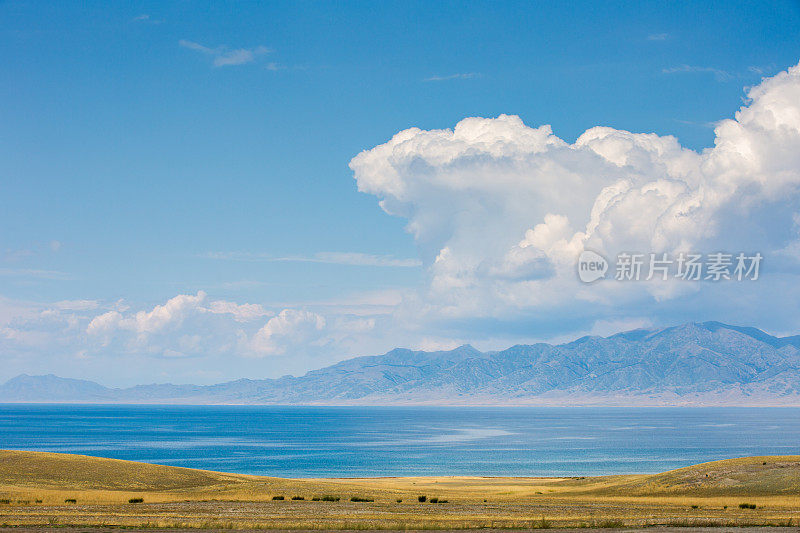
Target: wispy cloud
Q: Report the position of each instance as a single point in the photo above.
(17, 255)
(707, 124)
(720, 75)
(147, 19)
(76, 305)
(355, 258)
(33, 273)
(658, 37)
(333, 258)
(458, 76)
(244, 284)
(364, 303)
(224, 56)
(14, 255)
(762, 70)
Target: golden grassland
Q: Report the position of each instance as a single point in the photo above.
(38, 489)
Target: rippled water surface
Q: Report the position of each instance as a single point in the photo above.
(390, 441)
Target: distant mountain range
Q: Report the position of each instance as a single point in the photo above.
(692, 364)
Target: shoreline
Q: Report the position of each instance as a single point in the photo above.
(560, 403)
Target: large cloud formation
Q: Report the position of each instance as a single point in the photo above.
(501, 210)
(87, 338)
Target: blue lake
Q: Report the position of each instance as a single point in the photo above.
(401, 441)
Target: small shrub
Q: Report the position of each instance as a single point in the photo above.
(5, 501)
(136, 500)
(611, 524)
(399, 500)
(330, 498)
(724, 506)
(70, 500)
(315, 499)
(298, 498)
(543, 523)
(747, 506)
(38, 501)
(434, 500)
(359, 499)
(422, 499)
(278, 498)
(695, 506)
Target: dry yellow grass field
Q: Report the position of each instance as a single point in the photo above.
(38, 489)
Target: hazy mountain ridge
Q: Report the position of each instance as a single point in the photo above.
(698, 364)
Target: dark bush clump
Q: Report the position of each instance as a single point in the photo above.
(747, 506)
(70, 500)
(298, 498)
(434, 500)
(136, 500)
(5, 501)
(330, 498)
(359, 499)
(278, 498)
(399, 500)
(422, 499)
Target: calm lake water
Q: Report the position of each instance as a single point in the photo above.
(395, 441)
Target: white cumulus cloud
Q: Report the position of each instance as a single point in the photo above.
(501, 210)
(289, 328)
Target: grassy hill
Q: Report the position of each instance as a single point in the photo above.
(747, 476)
(39, 488)
(62, 472)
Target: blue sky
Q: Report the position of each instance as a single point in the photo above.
(152, 150)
